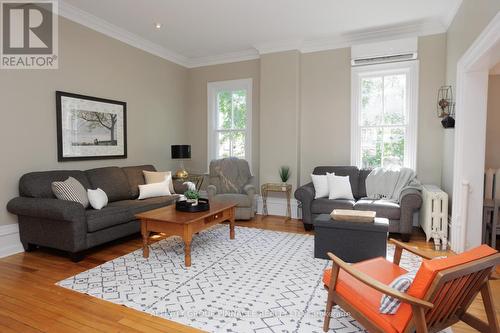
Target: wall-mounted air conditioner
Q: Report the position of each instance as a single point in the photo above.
(383, 52)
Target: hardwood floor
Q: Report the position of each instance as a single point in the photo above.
(30, 302)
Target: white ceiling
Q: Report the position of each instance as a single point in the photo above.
(199, 32)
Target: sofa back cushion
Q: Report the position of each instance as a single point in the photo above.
(111, 180)
(363, 173)
(135, 178)
(351, 171)
(39, 184)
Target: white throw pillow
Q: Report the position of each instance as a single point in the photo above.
(320, 186)
(155, 189)
(340, 187)
(152, 177)
(97, 198)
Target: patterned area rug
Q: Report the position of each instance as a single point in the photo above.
(263, 281)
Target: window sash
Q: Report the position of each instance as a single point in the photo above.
(410, 68)
(213, 91)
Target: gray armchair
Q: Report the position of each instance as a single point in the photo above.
(230, 180)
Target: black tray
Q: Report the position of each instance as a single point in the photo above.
(185, 206)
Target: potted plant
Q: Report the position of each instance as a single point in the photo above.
(192, 197)
(284, 174)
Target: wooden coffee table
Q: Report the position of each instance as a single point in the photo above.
(172, 222)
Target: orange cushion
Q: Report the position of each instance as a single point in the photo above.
(366, 299)
(429, 268)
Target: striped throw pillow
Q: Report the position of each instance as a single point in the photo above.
(389, 304)
(71, 190)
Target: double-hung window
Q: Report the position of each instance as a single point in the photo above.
(230, 119)
(384, 115)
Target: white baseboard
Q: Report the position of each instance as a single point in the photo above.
(9, 240)
(277, 206)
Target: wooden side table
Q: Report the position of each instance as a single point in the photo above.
(277, 187)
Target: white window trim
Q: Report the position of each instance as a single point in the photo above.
(411, 68)
(213, 88)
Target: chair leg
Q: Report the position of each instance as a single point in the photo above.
(489, 307)
(328, 313)
(419, 319)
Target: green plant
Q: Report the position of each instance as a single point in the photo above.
(285, 173)
(192, 195)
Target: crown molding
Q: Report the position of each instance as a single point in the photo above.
(225, 58)
(279, 46)
(95, 23)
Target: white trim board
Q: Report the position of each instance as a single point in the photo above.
(470, 136)
(277, 206)
(9, 240)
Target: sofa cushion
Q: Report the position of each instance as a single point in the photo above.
(135, 178)
(366, 299)
(363, 173)
(383, 208)
(241, 200)
(351, 171)
(39, 184)
(139, 206)
(107, 217)
(326, 206)
(111, 180)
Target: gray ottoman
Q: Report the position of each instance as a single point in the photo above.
(350, 241)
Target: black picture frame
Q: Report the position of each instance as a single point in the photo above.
(62, 140)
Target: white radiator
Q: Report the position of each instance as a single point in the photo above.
(434, 215)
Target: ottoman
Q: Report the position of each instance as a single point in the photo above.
(350, 241)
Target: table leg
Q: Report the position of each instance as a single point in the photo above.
(187, 237)
(145, 238)
(231, 224)
(264, 203)
(288, 205)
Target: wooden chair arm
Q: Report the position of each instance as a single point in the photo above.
(411, 249)
(377, 285)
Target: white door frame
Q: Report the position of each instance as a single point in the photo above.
(470, 136)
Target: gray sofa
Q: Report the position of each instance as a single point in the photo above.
(68, 226)
(400, 214)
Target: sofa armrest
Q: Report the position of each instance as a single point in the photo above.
(305, 194)
(212, 191)
(410, 200)
(53, 209)
(250, 190)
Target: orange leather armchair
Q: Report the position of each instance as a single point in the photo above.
(439, 296)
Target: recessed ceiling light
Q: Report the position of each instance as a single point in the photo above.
(158, 25)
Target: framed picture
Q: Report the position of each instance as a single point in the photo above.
(90, 128)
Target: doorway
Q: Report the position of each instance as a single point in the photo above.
(470, 137)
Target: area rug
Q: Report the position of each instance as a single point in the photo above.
(263, 281)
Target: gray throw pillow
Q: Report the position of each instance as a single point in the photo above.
(389, 304)
(71, 190)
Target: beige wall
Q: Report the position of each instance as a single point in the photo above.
(279, 115)
(470, 20)
(432, 55)
(197, 108)
(90, 64)
(472, 17)
(325, 119)
(305, 110)
(492, 158)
